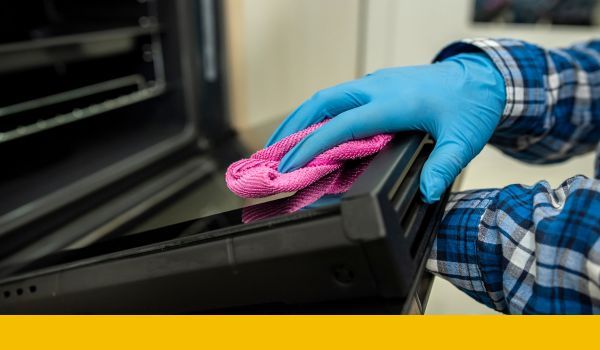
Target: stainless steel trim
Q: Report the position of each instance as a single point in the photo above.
(209, 47)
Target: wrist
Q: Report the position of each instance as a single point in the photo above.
(484, 81)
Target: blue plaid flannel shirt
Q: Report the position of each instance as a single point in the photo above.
(532, 249)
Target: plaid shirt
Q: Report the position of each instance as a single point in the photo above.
(532, 249)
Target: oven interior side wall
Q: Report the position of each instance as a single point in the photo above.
(87, 85)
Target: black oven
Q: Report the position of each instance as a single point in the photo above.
(114, 137)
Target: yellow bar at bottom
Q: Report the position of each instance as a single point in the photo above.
(299, 332)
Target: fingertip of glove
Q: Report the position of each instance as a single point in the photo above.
(432, 189)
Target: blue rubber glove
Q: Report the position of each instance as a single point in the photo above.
(458, 101)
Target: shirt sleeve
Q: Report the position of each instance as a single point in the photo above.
(524, 249)
(552, 107)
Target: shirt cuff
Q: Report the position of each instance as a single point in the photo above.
(455, 254)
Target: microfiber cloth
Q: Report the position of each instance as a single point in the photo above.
(258, 177)
(336, 182)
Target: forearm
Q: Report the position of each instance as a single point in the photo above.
(550, 112)
(524, 249)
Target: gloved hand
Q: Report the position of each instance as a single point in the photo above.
(458, 101)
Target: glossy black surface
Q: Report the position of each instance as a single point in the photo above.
(231, 215)
(196, 227)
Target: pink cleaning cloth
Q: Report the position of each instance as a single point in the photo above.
(258, 177)
(336, 182)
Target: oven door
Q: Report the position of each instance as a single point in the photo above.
(209, 252)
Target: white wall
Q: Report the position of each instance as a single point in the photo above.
(284, 50)
(404, 32)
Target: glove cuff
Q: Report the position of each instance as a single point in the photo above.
(508, 64)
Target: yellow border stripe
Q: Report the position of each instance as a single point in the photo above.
(298, 332)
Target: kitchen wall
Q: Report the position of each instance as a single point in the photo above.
(282, 51)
